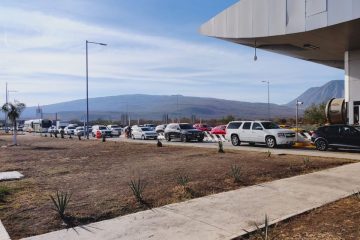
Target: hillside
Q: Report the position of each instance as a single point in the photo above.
(154, 106)
(317, 95)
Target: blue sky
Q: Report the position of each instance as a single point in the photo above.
(154, 48)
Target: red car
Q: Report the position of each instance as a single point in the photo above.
(202, 127)
(221, 130)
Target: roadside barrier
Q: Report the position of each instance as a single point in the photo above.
(208, 137)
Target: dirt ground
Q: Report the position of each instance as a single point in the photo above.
(98, 175)
(336, 221)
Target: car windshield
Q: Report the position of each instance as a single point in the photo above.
(146, 129)
(102, 128)
(186, 126)
(270, 125)
(114, 126)
(71, 127)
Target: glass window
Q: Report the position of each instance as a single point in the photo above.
(257, 126)
(186, 126)
(331, 130)
(270, 125)
(247, 125)
(234, 125)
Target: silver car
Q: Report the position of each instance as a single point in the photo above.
(143, 133)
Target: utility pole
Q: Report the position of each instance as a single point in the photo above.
(6, 101)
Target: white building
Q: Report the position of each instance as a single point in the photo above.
(321, 31)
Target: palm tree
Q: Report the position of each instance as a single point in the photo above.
(13, 111)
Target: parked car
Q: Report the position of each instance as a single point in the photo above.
(69, 130)
(160, 128)
(183, 131)
(151, 126)
(79, 131)
(254, 132)
(115, 130)
(140, 132)
(202, 127)
(220, 130)
(53, 130)
(103, 129)
(336, 136)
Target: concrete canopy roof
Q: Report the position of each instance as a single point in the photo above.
(314, 30)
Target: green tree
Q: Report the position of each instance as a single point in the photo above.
(315, 114)
(13, 111)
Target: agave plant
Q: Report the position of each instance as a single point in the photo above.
(357, 195)
(137, 187)
(61, 201)
(306, 161)
(183, 180)
(221, 147)
(235, 172)
(264, 233)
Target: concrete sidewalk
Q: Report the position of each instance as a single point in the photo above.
(224, 215)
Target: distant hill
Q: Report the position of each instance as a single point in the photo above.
(154, 106)
(317, 95)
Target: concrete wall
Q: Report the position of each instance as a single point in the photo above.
(352, 81)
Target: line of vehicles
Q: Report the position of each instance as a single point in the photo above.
(237, 132)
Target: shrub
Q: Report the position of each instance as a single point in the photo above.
(221, 147)
(235, 172)
(4, 191)
(61, 201)
(137, 187)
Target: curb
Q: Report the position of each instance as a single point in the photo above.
(3, 233)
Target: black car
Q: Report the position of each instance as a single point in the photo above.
(183, 131)
(336, 136)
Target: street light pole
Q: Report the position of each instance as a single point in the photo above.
(268, 97)
(298, 103)
(87, 85)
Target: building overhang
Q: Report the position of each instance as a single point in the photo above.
(290, 31)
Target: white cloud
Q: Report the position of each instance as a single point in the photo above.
(34, 43)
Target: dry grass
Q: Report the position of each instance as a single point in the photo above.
(97, 174)
(335, 221)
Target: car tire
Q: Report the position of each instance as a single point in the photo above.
(235, 141)
(132, 136)
(270, 142)
(184, 138)
(200, 139)
(168, 138)
(321, 145)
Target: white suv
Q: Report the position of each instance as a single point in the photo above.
(253, 132)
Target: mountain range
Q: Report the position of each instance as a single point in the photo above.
(153, 107)
(317, 95)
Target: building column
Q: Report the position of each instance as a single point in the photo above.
(352, 83)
